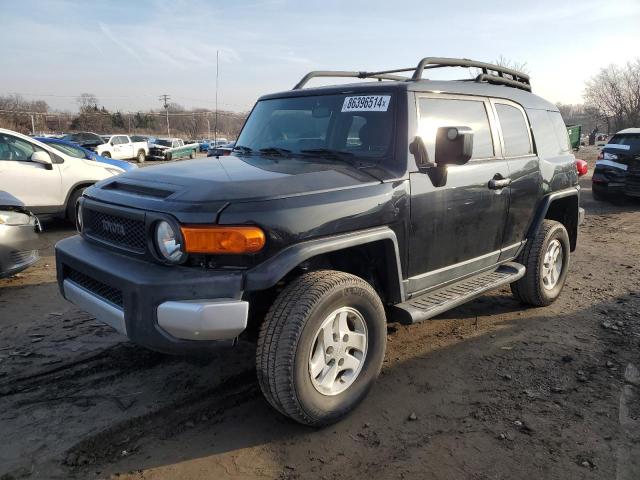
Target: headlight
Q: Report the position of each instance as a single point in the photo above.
(9, 217)
(169, 243)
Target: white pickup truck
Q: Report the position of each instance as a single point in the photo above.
(121, 147)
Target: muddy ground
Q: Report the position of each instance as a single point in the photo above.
(496, 390)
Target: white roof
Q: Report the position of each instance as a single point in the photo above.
(629, 130)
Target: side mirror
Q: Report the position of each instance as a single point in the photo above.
(42, 158)
(454, 145)
(419, 151)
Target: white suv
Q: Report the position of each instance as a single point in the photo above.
(46, 180)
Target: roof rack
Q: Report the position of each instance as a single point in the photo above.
(491, 73)
(345, 74)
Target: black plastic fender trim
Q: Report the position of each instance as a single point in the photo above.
(271, 271)
(544, 205)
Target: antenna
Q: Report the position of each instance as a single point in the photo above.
(215, 124)
(164, 98)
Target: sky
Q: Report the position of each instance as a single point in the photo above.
(127, 53)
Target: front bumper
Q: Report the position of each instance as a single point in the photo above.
(171, 309)
(18, 248)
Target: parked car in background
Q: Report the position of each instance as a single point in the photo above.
(46, 180)
(123, 148)
(81, 152)
(618, 166)
(19, 229)
(88, 140)
(207, 144)
(172, 149)
(143, 138)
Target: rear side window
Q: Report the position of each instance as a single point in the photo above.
(515, 131)
(550, 133)
(443, 112)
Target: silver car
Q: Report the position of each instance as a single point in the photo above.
(19, 230)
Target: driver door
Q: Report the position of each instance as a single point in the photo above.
(32, 183)
(457, 227)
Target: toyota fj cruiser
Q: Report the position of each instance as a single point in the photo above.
(341, 207)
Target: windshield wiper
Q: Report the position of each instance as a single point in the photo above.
(329, 153)
(275, 151)
(243, 148)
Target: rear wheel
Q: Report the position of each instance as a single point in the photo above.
(141, 156)
(546, 257)
(192, 154)
(321, 346)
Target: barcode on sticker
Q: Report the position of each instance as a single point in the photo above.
(370, 103)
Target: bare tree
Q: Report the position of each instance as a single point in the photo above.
(503, 61)
(615, 93)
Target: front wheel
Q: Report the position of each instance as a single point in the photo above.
(546, 258)
(106, 154)
(141, 156)
(192, 155)
(321, 346)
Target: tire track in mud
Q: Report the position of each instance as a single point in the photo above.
(165, 422)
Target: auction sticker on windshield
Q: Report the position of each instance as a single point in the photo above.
(369, 103)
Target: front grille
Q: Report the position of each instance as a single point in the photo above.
(118, 231)
(110, 294)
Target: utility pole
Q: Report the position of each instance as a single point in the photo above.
(165, 99)
(33, 126)
(215, 125)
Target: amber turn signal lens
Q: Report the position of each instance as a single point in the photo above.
(223, 239)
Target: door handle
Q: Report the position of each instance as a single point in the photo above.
(499, 183)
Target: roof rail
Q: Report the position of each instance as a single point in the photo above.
(345, 74)
(491, 73)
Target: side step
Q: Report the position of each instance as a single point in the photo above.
(438, 301)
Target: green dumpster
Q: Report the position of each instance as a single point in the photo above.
(574, 132)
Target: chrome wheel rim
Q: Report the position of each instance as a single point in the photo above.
(552, 264)
(338, 351)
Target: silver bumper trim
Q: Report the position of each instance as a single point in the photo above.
(101, 309)
(581, 215)
(216, 319)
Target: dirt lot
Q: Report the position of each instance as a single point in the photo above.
(490, 390)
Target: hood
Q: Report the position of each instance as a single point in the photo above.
(8, 200)
(230, 179)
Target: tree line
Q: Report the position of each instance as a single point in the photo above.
(26, 116)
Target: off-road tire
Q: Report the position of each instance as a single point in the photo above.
(287, 335)
(71, 205)
(530, 289)
(141, 157)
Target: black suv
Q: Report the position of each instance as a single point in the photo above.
(340, 208)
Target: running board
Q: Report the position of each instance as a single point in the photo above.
(438, 301)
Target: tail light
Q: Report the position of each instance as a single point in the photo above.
(582, 167)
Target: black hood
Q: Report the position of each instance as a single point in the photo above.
(219, 181)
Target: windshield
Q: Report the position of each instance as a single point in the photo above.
(67, 149)
(164, 143)
(631, 140)
(357, 125)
